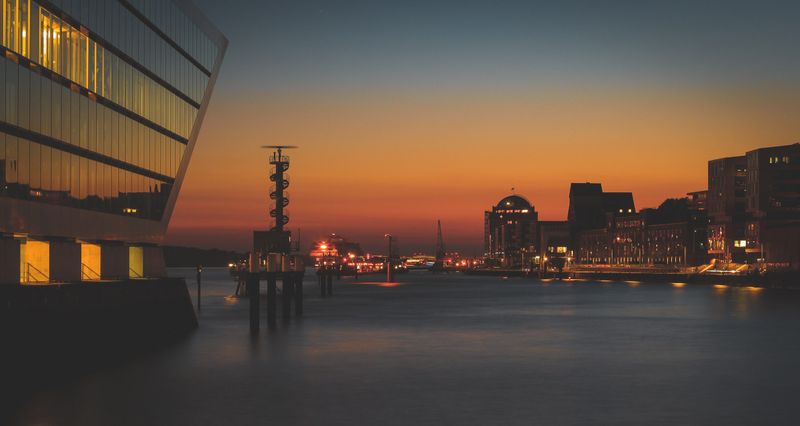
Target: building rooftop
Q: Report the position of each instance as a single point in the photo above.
(514, 202)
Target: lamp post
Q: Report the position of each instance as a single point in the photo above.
(389, 260)
(199, 273)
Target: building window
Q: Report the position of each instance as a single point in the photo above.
(16, 25)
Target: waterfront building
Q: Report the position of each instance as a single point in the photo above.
(554, 243)
(510, 232)
(772, 230)
(754, 207)
(591, 209)
(727, 190)
(673, 234)
(102, 102)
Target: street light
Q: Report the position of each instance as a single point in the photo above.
(389, 259)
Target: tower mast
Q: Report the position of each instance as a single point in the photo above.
(280, 164)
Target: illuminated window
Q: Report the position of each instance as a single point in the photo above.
(740, 243)
(136, 262)
(16, 25)
(35, 262)
(90, 262)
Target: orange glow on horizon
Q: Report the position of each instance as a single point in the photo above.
(395, 161)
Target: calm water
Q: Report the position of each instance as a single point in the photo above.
(457, 350)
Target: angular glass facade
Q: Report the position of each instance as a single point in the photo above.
(101, 102)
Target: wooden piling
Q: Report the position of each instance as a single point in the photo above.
(288, 289)
(272, 295)
(253, 289)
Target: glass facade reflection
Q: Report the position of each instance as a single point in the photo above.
(99, 101)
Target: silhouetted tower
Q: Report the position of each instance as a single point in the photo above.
(276, 240)
(280, 181)
(440, 250)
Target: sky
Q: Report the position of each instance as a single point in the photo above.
(409, 112)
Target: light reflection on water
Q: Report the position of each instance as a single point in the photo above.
(450, 349)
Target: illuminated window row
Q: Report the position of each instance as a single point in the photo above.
(118, 26)
(68, 52)
(34, 172)
(43, 106)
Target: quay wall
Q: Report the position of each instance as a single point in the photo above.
(58, 332)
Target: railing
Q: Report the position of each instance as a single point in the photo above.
(134, 274)
(34, 275)
(88, 274)
(275, 158)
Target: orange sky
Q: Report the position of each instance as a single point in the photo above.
(397, 160)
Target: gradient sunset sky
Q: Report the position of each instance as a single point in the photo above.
(412, 111)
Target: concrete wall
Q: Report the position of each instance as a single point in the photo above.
(113, 261)
(9, 260)
(65, 261)
(154, 266)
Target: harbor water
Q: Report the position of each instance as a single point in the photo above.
(458, 350)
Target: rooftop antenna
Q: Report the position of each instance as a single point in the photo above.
(280, 164)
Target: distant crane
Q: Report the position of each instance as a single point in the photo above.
(440, 250)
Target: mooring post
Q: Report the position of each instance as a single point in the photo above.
(254, 290)
(288, 287)
(199, 272)
(330, 283)
(272, 295)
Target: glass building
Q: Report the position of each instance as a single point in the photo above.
(102, 102)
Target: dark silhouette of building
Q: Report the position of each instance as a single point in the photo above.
(590, 208)
(510, 232)
(698, 199)
(672, 234)
(772, 230)
(727, 190)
